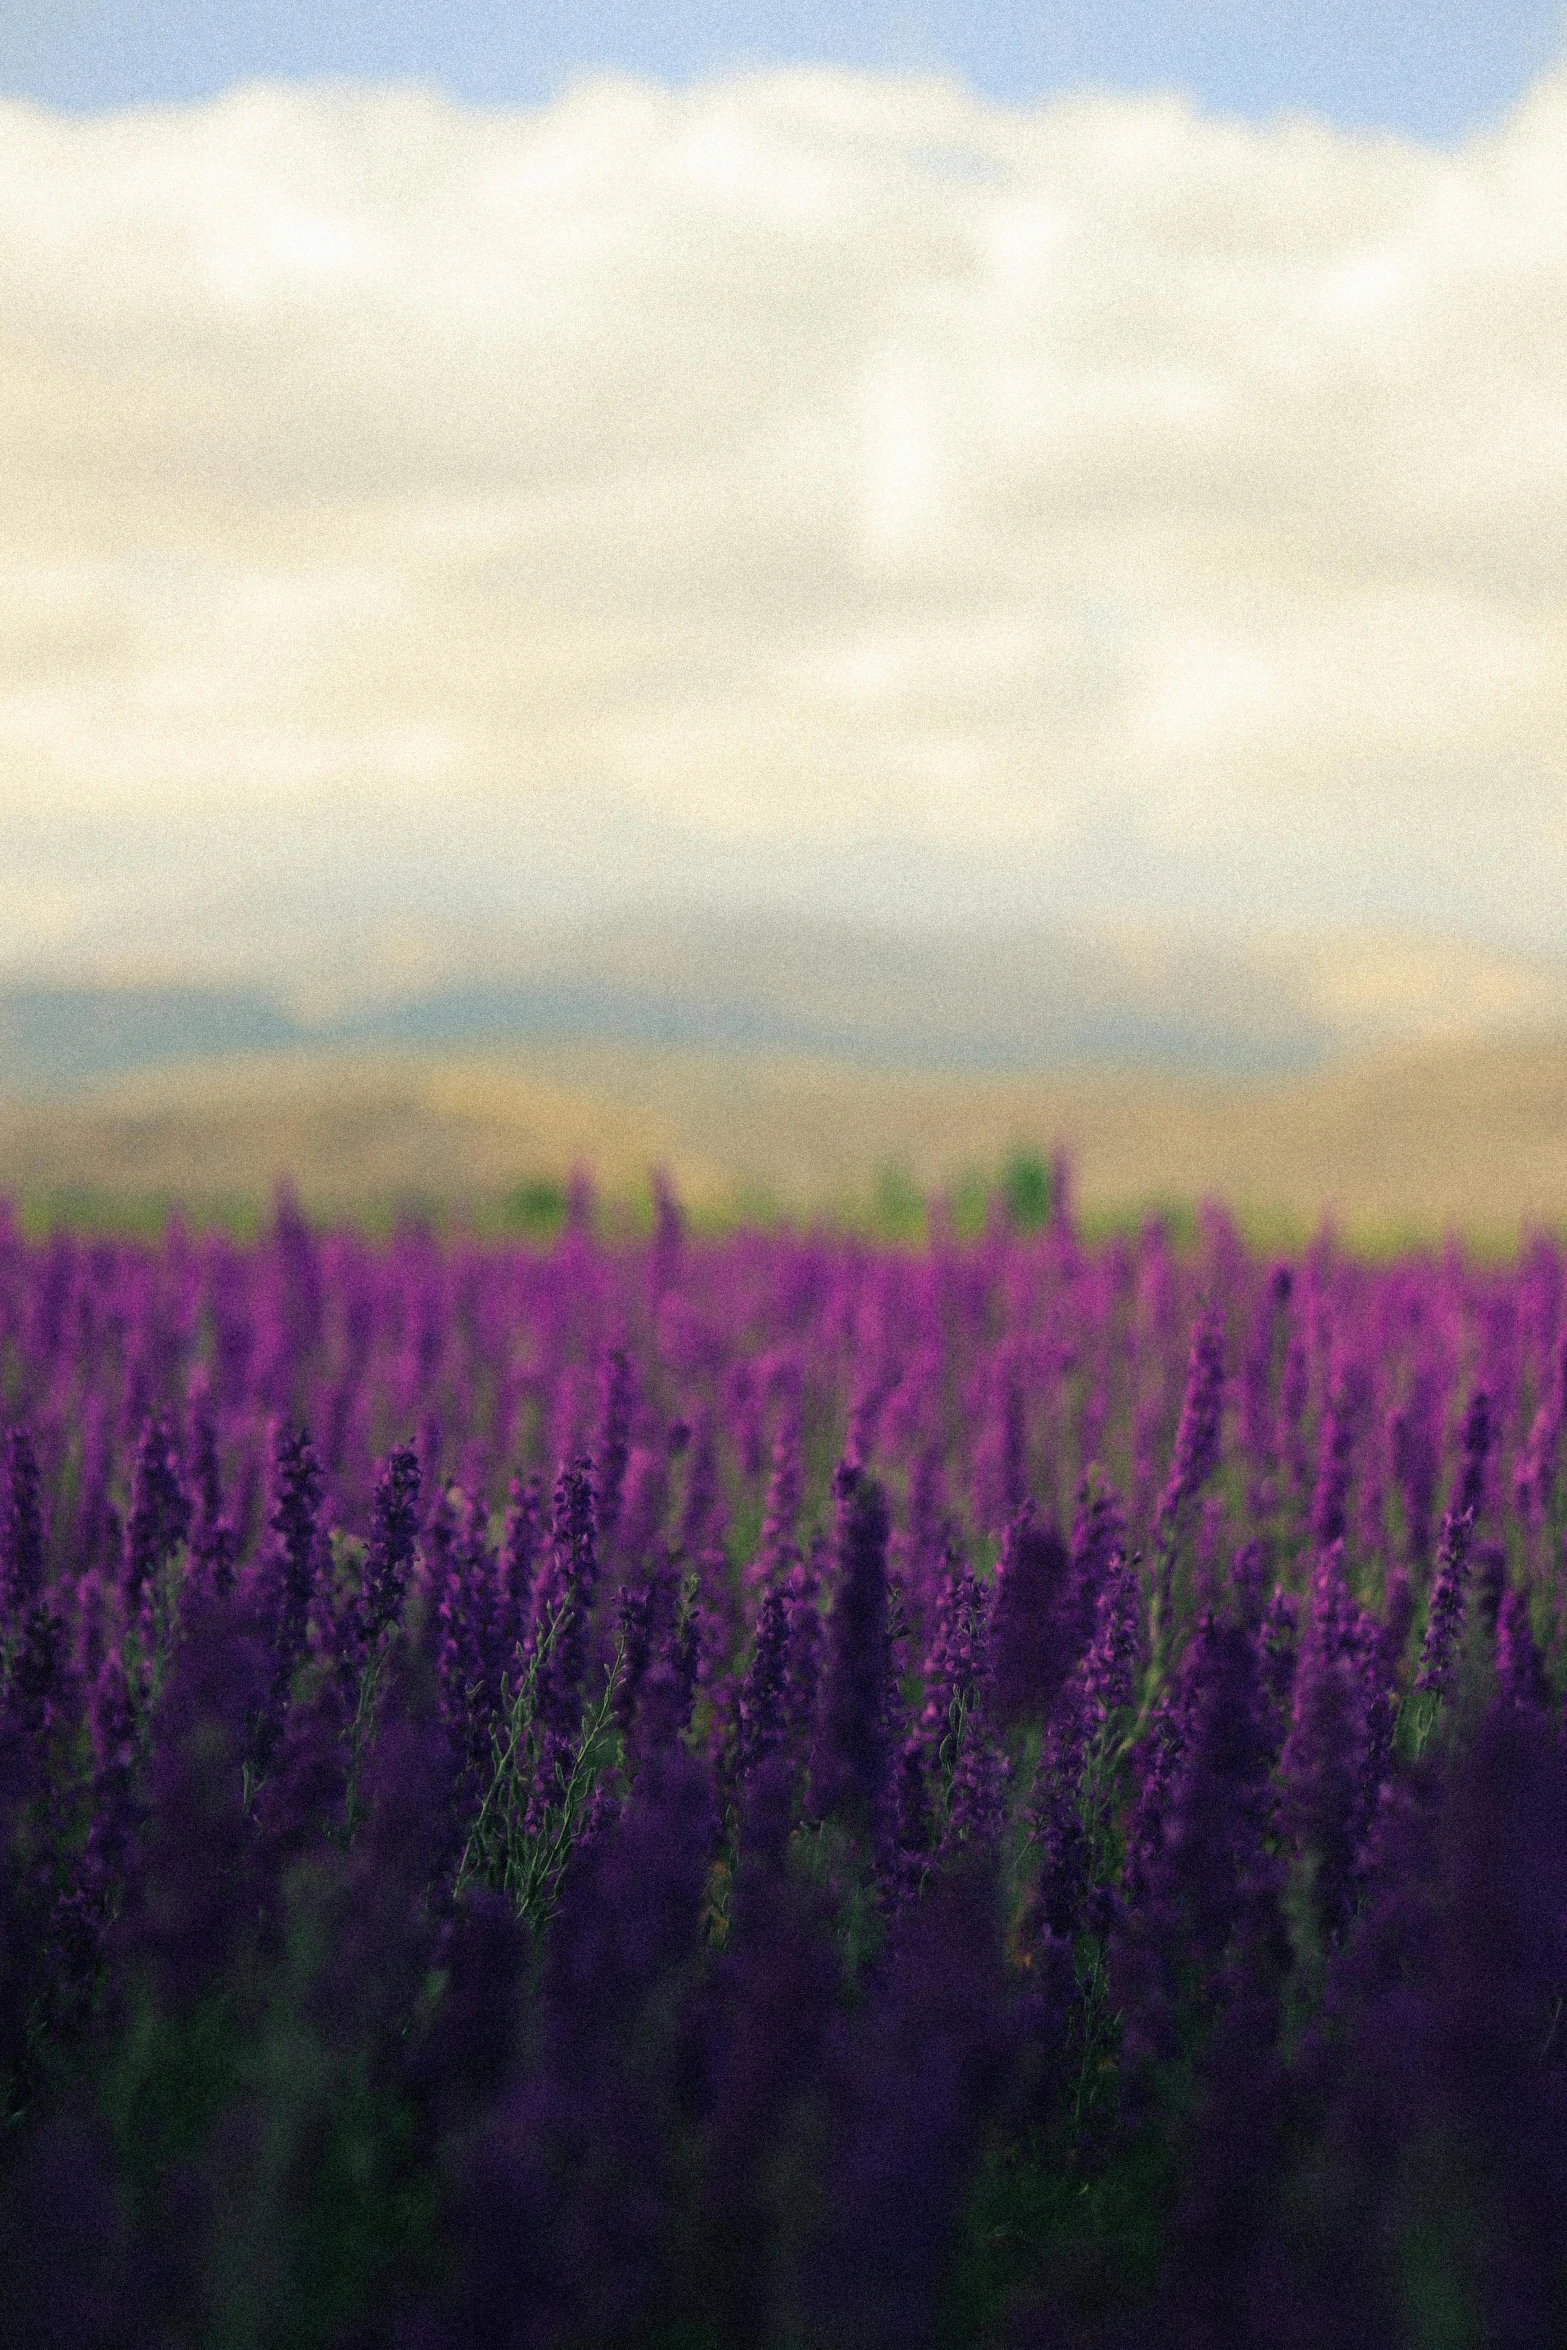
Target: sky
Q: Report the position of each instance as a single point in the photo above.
(1432, 70)
(1100, 474)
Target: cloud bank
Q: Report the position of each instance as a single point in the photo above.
(811, 488)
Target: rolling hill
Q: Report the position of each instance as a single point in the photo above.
(1398, 1143)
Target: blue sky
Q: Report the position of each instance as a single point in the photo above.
(1433, 69)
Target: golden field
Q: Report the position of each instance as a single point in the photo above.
(1395, 1146)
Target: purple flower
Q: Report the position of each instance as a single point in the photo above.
(194, 1890)
(955, 1666)
(849, 1772)
(68, 2275)
(634, 1635)
(760, 1720)
(1324, 1764)
(1342, 1426)
(1031, 1625)
(21, 1528)
(1445, 1620)
(301, 1807)
(617, 1404)
(471, 1661)
(702, 1510)
(776, 1552)
(563, 2207)
(1057, 1827)
(1534, 1478)
(563, 1615)
(976, 1806)
(389, 1560)
(115, 1810)
(1476, 1445)
(1500, 1963)
(802, 1681)
(296, 1531)
(916, 2094)
(206, 1476)
(370, 1922)
(1065, 1813)
(1109, 1669)
(1198, 1435)
(1098, 1542)
(1257, 1377)
(642, 1512)
(519, 1563)
(160, 1510)
(1413, 1437)
(1202, 1851)
(1279, 1654)
(38, 1691)
(1007, 1445)
(775, 1986)
(461, 2062)
(669, 1230)
(1520, 1670)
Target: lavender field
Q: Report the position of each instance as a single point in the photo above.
(779, 1789)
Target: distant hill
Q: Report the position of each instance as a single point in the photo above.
(56, 1038)
(877, 999)
(1398, 1144)
(884, 998)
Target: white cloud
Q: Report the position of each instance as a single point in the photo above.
(803, 484)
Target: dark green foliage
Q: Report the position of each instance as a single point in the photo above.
(537, 1208)
(1026, 1191)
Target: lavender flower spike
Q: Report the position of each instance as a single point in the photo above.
(850, 1773)
(1197, 1437)
(1438, 1653)
(390, 1560)
(21, 1528)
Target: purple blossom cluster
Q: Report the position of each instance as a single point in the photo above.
(765, 1789)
